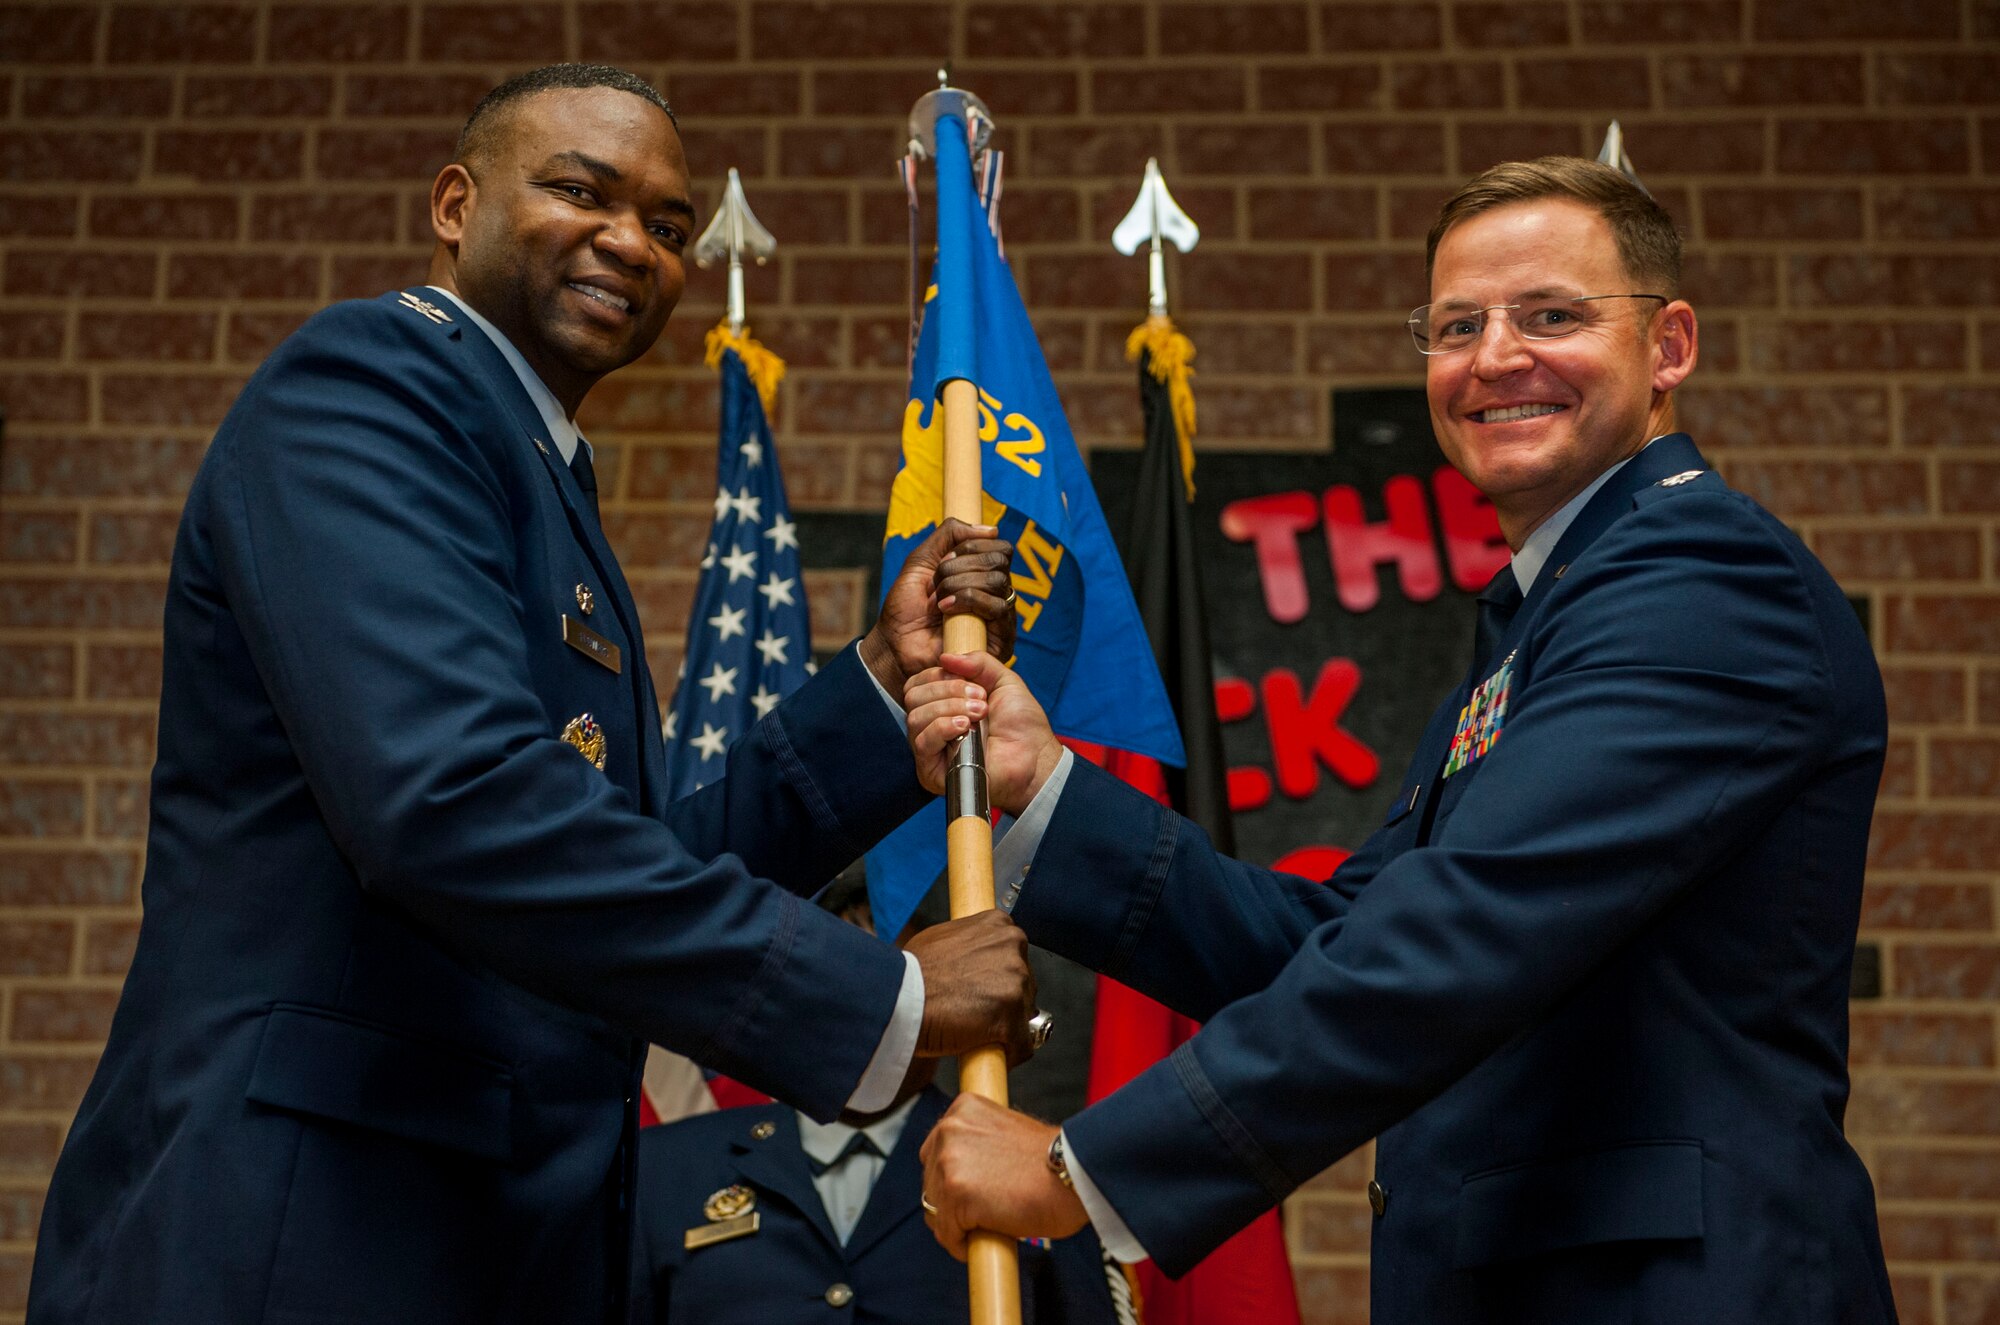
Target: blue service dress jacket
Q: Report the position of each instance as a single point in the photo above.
(1590, 989)
(792, 1270)
(376, 1056)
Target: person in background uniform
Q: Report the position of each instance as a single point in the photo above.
(415, 899)
(1588, 981)
(762, 1216)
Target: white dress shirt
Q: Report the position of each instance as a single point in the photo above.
(844, 1187)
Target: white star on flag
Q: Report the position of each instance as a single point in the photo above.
(783, 534)
(722, 503)
(764, 700)
(708, 558)
(747, 506)
(669, 725)
(729, 621)
(720, 682)
(742, 564)
(753, 452)
(712, 741)
(773, 647)
(777, 591)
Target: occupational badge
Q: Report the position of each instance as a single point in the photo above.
(731, 1201)
(731, 1213)
(583, 732)
(1479, 722)
(424, 306)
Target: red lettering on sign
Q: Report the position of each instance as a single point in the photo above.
(1249, 788)
(1273, 524)
(1356, 547)
(1305, 735)
(1313, 862)
(1472, 541)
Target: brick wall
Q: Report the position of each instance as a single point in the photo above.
(181, 185)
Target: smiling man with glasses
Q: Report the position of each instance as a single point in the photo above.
(1588, 981)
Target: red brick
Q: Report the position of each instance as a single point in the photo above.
(1904, 1106)
(1936, 1173)
(80, 96)
(1370, 349)
(411, 154)
(1874, 147)
(229, 276)
(655, 404)
(364, 276)
(132, 538)
(1937, 213)
(343, 33)
(433, 94)
(1762, 79)
(1383, 147)
(1385, 281)
(1965, 766)
(1233, 29)
(1951, 416)
(31, 335)
(107, 950)
(230, 154)
(1934, 840)
(45, 1016)
(1312, 213)
(69, 878)
(1748, 212)
(44, 536)
(1815, 20)
(1262, 413)
(1488, 143)
(36, 947)
(55, 35)
(1899, 554)
(1969, 487)
(1332, 1294)
(659, 540)
(179, 337)
(1085, 280)
(1011, 90)
(673, 473)
(1989, 347)
(1447, 85)
(1908, 1236)
(1053, 31)
(1649, 22)
(845, 405)
(1970, 1299)
(86, 604)
(856, 30)
(1413, 209)
(1848, 345)
(1895, 906)
(711, 150)
(819, 215)
(1848, 487)
(30, 397)
(1361, 26)
(44, 1082)
(1481, 26)
(253, 335)
(1925, 695)
(157, 216)
(844, 281)
(40, 807)
(1899, 770)
(1095, 150)
(1947, 970)
(1695, 147)
(1937, 78)
(356, 218)
(1620, 84)
(1099, 410)
(257, 98)
(818, 477)
(37, 671)
(881, 342)
(1833, 280)
(179, 400)
(56, 273)
(37, 216)
(1332, 1227)
(1786, 416)
(622, 33)
(1063, 341)
(178, 34)
(28, 1150)
(526, 33)
(1224, 280)
(69, 156)
(100, 467)
(122, 671)
(764, 93)
(1264, 149)
(1729, 280)
(1989, 144)
(1180, 90)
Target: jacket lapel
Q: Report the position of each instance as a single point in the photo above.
(899, 1191)
(778, 1165)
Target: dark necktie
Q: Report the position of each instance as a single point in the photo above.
(1498, 602)
(586, 475)
(858, 1144)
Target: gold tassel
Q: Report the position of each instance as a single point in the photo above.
(765, 368)
(1171, 362)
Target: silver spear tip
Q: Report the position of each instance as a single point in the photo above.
(734, 230)
(1155, 215)
(1613, 154)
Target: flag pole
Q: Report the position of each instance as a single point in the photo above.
(991, 1261)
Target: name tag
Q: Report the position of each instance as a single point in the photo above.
(722, 1230)
(590, 644)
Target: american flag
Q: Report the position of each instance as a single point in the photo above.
(749, 639)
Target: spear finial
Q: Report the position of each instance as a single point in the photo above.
(1613, 154)
(1155, 216)
(734, 231)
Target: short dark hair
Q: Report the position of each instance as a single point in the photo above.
(1648, 244)
(472, 139)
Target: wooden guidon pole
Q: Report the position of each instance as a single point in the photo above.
(995, 1280)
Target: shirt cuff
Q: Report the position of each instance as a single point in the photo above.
(895, 706)
(1016, 849)
(1111, 1230)
(891, 1062)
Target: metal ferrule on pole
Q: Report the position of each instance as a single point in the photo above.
(965, 781)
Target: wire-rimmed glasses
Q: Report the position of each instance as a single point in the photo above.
(1446, 328)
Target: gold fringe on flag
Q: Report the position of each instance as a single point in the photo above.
(765, 368)
(1172, 363)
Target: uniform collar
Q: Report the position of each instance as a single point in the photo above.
(561, 430)
(824, 1141)
(1535, 549)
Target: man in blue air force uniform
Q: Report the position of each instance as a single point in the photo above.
(764, 1216)
(414, 897)
(1588, 980)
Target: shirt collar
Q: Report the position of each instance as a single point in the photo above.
(1535, 549)
(561, 431)
(825, 1141)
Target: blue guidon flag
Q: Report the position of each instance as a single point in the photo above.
(749, 639)
(1080, 647)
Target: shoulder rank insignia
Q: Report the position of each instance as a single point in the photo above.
(1685, 476)
(1479, 722)
(731, 1213)
(424, 306)
(730, 1202)
(588, 738)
